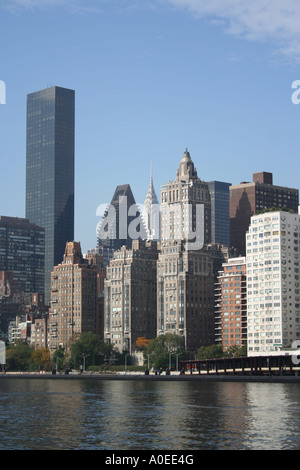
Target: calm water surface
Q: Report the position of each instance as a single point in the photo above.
(140, 415)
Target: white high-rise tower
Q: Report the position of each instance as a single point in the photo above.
(273, 282)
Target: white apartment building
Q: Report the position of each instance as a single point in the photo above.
(273, 282)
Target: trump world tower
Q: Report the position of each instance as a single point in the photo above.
(50, 170)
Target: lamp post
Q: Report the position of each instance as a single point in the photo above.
(177, 361)
(148, 359)
(84, 356)
(126, 362)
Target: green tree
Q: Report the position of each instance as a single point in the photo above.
(41, 359)
(237, 351)
(160, 350)
(215, 351)
(89, 350)
(275, 209)
(19, 356)
(58, 359)
(210, 352)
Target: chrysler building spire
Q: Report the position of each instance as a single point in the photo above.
(151, 212)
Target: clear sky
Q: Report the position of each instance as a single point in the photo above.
(152, 78)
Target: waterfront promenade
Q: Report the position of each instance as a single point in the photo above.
(152, 377)
(277, 369)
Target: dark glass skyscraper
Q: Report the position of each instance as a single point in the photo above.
(220, 222)
(50, 170)
(22, 252)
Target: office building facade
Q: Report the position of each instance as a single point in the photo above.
(247, 199)
(39, 333)
(231, 304)
(50, 170)
(185, 277)
(74, 298)
(22, 252)
(273, 282)
(185, 295)
(220, 221)
(130, 295)
(12, 300)
(186, 207)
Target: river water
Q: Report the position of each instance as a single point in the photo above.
(146, 415)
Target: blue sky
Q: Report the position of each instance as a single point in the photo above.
(153, 77)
